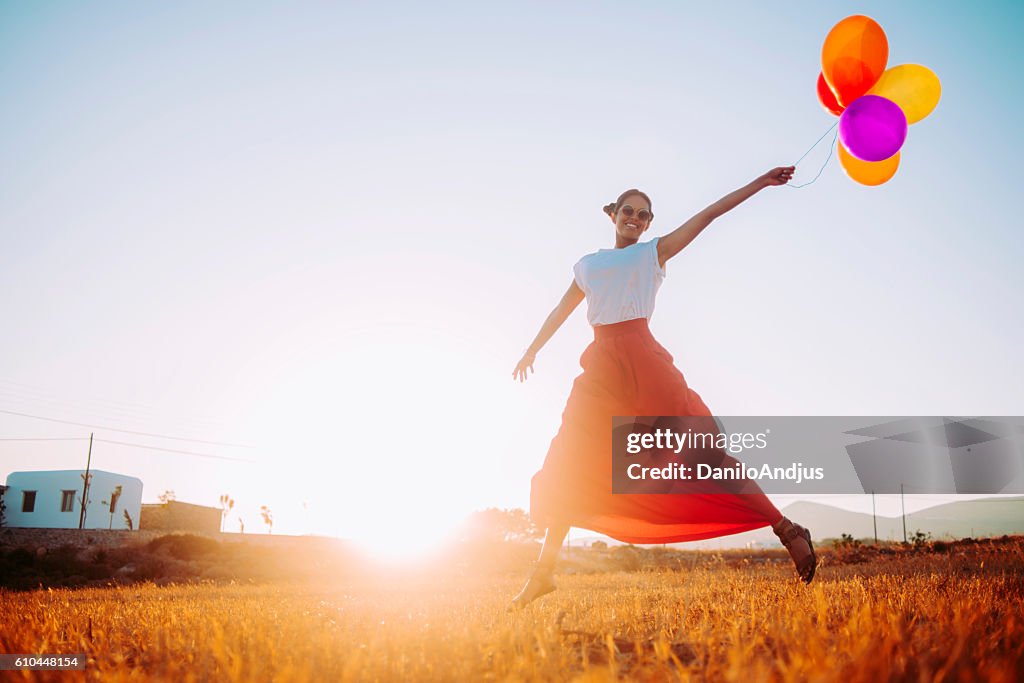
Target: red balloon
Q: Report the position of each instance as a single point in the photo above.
(827, 97)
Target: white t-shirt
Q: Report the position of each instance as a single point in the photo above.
(620, 284)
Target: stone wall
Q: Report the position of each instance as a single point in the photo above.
(50, 539)
(12, 537)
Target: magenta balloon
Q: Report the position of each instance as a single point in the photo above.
(873, 128)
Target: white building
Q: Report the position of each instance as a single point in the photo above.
(53, 500)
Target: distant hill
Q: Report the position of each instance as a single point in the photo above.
(970, 518)
(983, 517)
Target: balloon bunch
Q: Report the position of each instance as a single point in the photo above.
(874, 104)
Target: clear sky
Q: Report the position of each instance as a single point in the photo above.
(327, 231)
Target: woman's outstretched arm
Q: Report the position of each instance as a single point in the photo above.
(570, 300)
(674, 242)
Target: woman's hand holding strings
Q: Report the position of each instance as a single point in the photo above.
(778, 176)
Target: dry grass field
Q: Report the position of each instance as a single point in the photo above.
(954, 615)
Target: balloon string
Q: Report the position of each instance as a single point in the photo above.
(831, 145)
(816, 143)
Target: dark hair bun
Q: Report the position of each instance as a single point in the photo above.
(609, 208)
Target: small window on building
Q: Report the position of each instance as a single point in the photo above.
(67, 501)
(28, 501)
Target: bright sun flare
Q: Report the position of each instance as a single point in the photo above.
(386, 442)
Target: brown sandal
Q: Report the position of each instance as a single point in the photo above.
(540, 583)
(794, 536)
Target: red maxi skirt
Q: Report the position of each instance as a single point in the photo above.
(627, 372)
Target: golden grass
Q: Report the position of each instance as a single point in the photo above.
(948, 617)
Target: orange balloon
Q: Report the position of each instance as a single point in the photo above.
(854, 57)
(868, 172)
(828, 98)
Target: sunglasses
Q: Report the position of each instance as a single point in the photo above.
(642, 214)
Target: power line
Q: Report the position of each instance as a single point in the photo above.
(124, 431)
(1015, 499)
(46, 394)
(133, 411)
(920, 497)
(171, 450)
(67, 438)
(86, 411)
(134, 445)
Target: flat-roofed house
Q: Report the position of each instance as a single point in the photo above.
(53, 500)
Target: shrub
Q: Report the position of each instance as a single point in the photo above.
(21, 557)
(920, 539)
(185, 546)
(149, 568)
(626, 558)
(847, 541)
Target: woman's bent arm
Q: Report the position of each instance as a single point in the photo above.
(570, 300)
(677, 240)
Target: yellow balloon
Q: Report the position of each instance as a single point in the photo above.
(868, 172)
(915, 88)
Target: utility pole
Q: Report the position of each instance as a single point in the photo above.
(85, 485)
(903, 505)
(874, 517)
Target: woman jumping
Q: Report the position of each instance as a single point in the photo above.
(627, 372)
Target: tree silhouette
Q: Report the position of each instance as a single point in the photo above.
(226, 503)
(268, 518)
(494, 524)
(114, 495)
